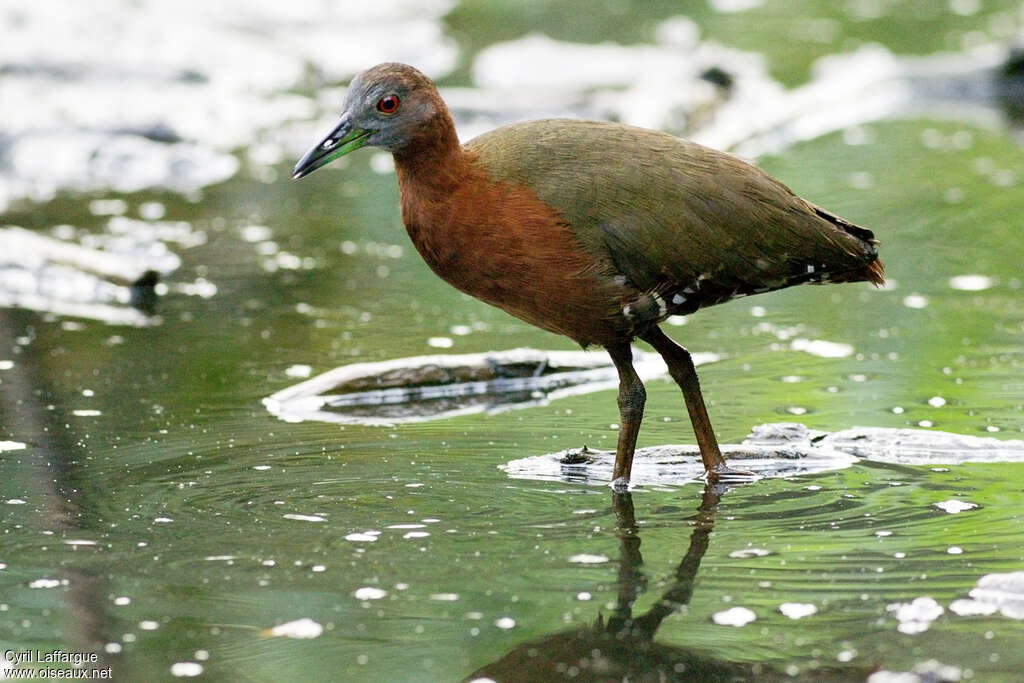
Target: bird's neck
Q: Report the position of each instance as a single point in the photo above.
(433, 164)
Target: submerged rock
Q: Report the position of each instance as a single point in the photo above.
(923, 446)
(426, 388)
(774, 450)
(112, 276)
(727, 99)
(691, 80)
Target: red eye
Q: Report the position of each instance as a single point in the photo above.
(388, 104)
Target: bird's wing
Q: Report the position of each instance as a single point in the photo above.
(672, 215)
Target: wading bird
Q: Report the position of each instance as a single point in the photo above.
(597, 231)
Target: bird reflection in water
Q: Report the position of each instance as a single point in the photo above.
(622, 647)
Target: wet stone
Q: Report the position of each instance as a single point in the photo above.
(923, 447)
(777, 450)
(678, 464)
(425, 388)
(110, 276)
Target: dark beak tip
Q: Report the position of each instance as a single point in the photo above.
(303, 168)
(342, 140)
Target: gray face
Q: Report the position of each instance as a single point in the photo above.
(391, 106)
(395, 130)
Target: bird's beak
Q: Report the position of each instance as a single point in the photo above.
(340, 141)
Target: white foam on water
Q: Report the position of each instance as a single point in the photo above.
(304, 628)
(797, 610)
(505, 623)
(822, 348)
(915, 616)
(186, 669)
(298, 371)
(369, 593)
(1000, 592)
(734, 616)
(971, 283)
(305, 518)
(953, 506)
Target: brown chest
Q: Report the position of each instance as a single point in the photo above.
(501, 244)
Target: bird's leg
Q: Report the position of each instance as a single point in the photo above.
(680, 366)
(681, 589)
(632, 396)
(632, 581)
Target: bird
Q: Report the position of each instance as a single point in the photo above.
(594, 230)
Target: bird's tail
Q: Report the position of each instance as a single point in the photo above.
(875, 272)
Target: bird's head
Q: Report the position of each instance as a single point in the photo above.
(389, 106)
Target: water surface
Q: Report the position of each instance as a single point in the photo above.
(159, 514)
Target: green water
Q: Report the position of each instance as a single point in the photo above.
(182, 482)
